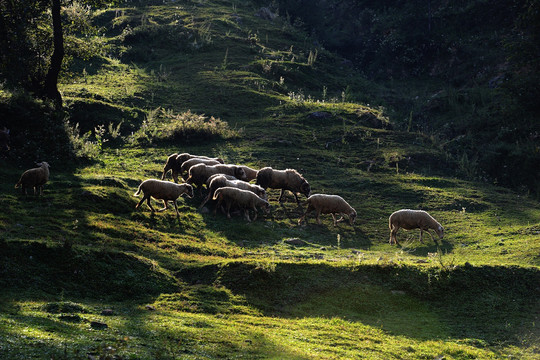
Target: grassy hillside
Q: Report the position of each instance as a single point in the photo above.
(85, 275)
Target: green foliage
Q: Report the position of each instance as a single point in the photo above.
(164, 126)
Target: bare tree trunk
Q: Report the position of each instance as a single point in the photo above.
(51, 80)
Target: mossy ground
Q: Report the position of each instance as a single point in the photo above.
(218, 288)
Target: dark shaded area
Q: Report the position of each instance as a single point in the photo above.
(76, 273)
(465, 298)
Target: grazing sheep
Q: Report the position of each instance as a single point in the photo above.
(244, 199)
(188, 164)
(200, 173)
(413, 219)
(329, 204)
(34, 178)
(4, 139)
(251, 174)
(220, 180)
(162, 190)
(288, 179)
(228, 177)
(175, 161)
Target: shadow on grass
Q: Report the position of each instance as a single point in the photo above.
(492, 304)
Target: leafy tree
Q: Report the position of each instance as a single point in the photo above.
(51, 80)
(27, 26)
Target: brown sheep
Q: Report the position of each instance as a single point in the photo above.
(413, 219)
(175, 161)
(242, 198)
(163, 190)
(329, 204)
(288, 179)
(34, 178)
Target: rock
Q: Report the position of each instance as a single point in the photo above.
(150, 307)
(107, 312)
(98, 325)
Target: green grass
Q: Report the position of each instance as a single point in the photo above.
(221, 288)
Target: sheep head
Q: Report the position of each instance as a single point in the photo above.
(440, 231)
(305, 188)
(239, 173)
(188, 190)
(352, 217)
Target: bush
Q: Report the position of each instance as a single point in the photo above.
(164, 125)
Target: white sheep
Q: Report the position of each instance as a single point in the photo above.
(220, 180)
(188, 164)
(329, 204)
(413, 219)
(162, 190)
(228, 177)
(34, 178)
(175, 161)
(200, 173)
(244, 199)
(251, 174)
(288, 179)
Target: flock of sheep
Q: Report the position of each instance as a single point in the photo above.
(229, 185)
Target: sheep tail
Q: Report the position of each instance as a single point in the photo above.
(138, 191)
(216, 194)
(18, 184)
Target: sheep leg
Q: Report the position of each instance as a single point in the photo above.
(421, 232)
(149, 204)
(176, 207)
(175, 176)
(228, 210)
(255, 211)
(318, 217)
(246, 215)
(165, 206)
(281, 195)
(140, 202)
(206, 200)
(304, 217)
(296, 197)
(393, 235)
(334, 218)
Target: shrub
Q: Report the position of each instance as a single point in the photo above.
(164, 125)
